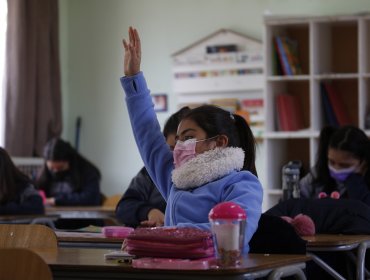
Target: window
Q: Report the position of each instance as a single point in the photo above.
(3, 20)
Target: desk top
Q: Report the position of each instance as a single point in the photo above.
(26, 219)
(93, 260)
(91, 237)
(81, 212)
(334, 240)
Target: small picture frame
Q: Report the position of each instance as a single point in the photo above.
(160, 102)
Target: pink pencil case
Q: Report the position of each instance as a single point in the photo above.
(117, 231)
(163, 242)
(166, 263)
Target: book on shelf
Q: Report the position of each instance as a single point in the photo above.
(327, 107)
(251, 109)
(291, 50)
(289, 113)
(255, 109)
(277, 68)
(221, 48)
(283, 58)
(287, 50)
(228, 104)
(338, 105)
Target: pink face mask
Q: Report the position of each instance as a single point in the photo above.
(185, 151)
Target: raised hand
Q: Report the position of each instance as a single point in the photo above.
(132, 57)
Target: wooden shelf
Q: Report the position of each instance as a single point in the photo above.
(332, 49)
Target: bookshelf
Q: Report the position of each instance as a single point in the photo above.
(223, 66)
(331, 49)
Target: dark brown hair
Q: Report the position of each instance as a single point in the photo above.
(216, 121)
(11, 178)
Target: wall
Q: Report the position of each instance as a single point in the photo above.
(91, 56)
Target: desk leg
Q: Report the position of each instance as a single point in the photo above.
(326, 267)
(289, 270)
(361, 252)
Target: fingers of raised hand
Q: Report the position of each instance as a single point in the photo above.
(125, 45)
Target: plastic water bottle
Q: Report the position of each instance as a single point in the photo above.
(290, 176)
(228, 222)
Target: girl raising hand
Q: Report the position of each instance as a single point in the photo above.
(213, 160)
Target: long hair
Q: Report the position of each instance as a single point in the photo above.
(173, 121)
(322, 176)
(216, 121)
(58, 150)
(11, 178)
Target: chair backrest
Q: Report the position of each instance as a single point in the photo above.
(112, 201)
(22, 263)
(27, 236)
(276, 236)
(29, 166)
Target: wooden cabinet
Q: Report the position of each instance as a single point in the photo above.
(331, 49)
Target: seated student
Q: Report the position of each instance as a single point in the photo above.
(213, 160)
(67, 178)
(142, 204)
(341, 170)
(17, 194)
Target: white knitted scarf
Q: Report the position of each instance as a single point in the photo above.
(207, 167)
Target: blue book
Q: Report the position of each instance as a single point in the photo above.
(283, 57)
(328, 109)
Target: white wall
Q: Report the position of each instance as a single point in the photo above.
(91, 57)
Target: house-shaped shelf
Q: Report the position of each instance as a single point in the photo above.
(225, 61)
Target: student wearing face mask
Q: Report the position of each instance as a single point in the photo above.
(67, 178)
(142, 204)
(213, 160)
(341, 170)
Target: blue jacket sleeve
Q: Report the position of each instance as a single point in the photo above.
(152, 145)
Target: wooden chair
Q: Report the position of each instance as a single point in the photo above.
(27, 236)
(23, 264)
(111, 201)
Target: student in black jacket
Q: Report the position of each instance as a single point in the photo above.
(142, 204)
(17, 194)
(67, 178)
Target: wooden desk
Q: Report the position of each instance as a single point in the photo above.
(29, 219)
(87, 240)
(81, 212)
(336, 243)
(85, 263)
(106, 213)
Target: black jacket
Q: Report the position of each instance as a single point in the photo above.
(28, 201)
(141, 196)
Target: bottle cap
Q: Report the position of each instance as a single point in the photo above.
(228, 211)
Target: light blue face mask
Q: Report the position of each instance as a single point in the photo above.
(341, 174)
